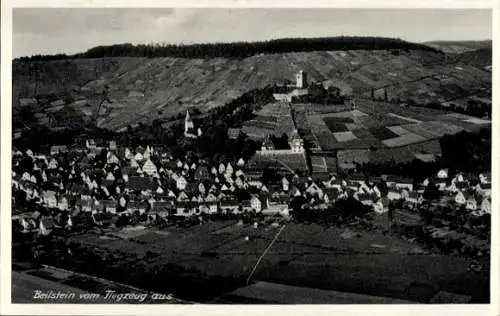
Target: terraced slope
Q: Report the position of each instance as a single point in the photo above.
(142, 89)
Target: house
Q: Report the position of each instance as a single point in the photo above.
(133, 206)
(112, 159)
(137, 183)
(442, 174)
(181, 183)
(330, 195)
(485, 177)
(112, 145)
(201, 173)
(90, 144)
(486, 206)
(49, 198)
(229, 206)
(381, 206)
(460, 198)
(85, 205)
(138, 156)
(46, 225)
(484, 189)
(108, 206)
(53, 164)
(222, 168)
(258, 203)
(413, 197)
(54, 150)
(63, 204)
(471, 203)
(149, 168)
(365, 199)
(163, 208)
(211, 207)
(27, 101)
(229, 169)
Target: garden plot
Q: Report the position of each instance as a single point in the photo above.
(345, 136)
(352, 126)
(274, 109)
(337, 124)
(317, 124)
(476, 120)
(443, 128)
(409, 119)
(367, 121)
(398, 130)
(382, 133)
(367, 138)
(318, 164)
(420, 129)
(404, 140)
(453, 117)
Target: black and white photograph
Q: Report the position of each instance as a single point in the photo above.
(269, 156)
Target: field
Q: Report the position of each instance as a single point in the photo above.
(273, 119)
(311, 255)
(290, 162)
(383, 126)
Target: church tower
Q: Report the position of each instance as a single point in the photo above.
(188, 123)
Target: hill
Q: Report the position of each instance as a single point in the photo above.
(129, 90)
(478, 58)
(458, 47)
(242, 49)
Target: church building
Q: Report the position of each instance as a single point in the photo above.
(189, 128)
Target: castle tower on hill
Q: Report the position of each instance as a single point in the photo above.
(301, 79)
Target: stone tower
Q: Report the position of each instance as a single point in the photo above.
(188, 123)
(301, 79)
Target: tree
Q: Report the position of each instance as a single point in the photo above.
(431, 192)
(123, 220)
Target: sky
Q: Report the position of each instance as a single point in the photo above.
(71, 30)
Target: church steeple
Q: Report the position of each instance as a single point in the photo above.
(189, 129)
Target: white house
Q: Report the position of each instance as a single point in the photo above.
(149, 168)
(285, 184)
(486, 206)
(443, 174)
(53, 164)
(256, 203)
(222, 168)
(394, 195)
(460, 198)
(471, 203)
(181, 183)
(49, 198)
(229, 169)
(62, 204)
(138, 156)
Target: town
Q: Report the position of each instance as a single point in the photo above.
(309, 170)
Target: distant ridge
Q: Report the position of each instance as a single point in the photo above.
(458, 47)
(242, 49)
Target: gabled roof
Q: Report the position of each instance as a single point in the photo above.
(139, 183)
(136, 205)
(48, 222)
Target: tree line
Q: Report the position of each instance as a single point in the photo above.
(242, 49)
